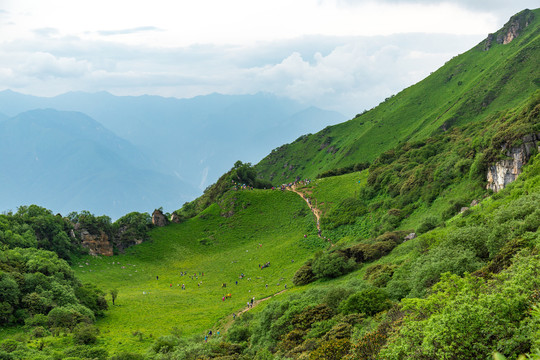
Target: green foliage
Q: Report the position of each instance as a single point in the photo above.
(345, 213)
(130, 227)
(114, 295)
(165, 344)
(304, 275)
(344, 170)
(85, 334)
(470, 317)
(335, 296)
(334, 349)
(367, 301)
(239, 176)
(86, 352)
(379, 274)
(332, 265)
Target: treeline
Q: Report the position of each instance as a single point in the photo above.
(344, 170)
(38, 289)
(36, 227)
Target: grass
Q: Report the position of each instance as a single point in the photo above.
(221, 248)
(468, 88)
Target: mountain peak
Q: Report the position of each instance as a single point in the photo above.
(511, 30)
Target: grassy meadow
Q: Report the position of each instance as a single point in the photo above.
(222, 248)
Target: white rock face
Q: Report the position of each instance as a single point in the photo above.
(506, 171)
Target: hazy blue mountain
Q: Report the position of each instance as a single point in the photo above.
(196, 139)
(67, 161)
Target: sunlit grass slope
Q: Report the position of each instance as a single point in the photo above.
(468, 88)
(267, 226)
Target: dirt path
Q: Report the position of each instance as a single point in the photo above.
(314, 210)
(230, 318)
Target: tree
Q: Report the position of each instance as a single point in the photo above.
(114, 295)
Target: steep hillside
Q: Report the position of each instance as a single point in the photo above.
(489, 78)
(67, 161)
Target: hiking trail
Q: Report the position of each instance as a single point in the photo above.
(230, 318)
(316, 211)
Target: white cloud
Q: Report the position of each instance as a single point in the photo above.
(323, 52)
(46, 65)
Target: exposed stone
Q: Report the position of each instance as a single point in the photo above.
(506, 171)
(463, 209)
(96, 244)
(511, 30)
(474, 203)
(72, 234)
(158, 219)
(410, 237)
(175, 218)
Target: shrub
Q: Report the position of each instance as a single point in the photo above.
(379, 274)
(85, 334)
(332, 265)
(429, 223)
(127, 356)
(165, 344)
(334, 349)
(368, 301)
(335, 296)
(304, 275)
(238, 334)
(473, 238)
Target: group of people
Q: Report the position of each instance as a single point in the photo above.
(264, 266)
(238, 186)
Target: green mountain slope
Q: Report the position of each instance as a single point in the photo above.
(465, 287)
(471, 86)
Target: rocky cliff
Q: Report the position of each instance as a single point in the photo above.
(158, 219)
(96, 244)
(506, 171)
(511, 30)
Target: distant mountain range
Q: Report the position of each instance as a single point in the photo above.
(115, 154)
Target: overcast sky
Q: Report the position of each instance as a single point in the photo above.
(345, 55)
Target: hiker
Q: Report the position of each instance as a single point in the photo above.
(234, 316)
(157, 277)
(236, 282)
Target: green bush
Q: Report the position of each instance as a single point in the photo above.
(368, 301)
(165, 344)
(127, 356)
(335, 296)
(332, 265)
(304, 275)
(238, 334)
(429, 223)
(85, 334)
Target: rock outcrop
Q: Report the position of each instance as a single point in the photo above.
(511, 30)
(158, 219)
(96, 244)
(506, 171)
(175, 218)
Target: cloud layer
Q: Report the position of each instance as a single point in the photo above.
(343, 67)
